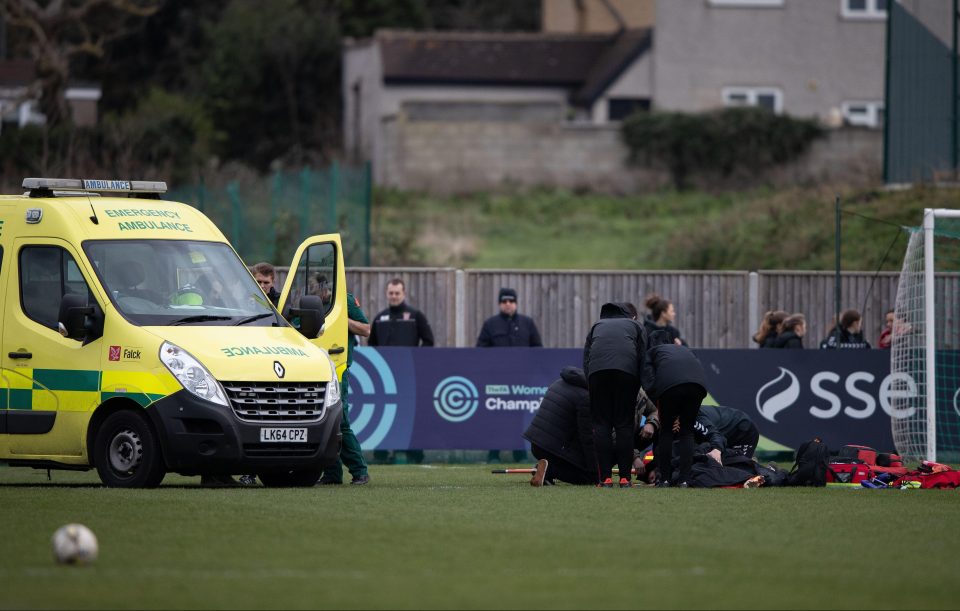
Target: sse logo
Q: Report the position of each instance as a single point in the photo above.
(856, 396)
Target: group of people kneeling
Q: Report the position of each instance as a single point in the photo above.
(632, 393)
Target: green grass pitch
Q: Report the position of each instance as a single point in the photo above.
(459, 537)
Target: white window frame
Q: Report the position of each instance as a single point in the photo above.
(746, 3)
(871, 13)
(870, 119)
(752, 93)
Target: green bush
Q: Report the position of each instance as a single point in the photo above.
(721, 142)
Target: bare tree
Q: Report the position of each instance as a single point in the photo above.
(61, 31)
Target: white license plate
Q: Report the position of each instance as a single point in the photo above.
(275, 435)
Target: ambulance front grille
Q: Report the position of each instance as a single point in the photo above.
(276, 402)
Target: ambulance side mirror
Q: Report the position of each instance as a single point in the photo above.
(78, 320)
(311, 316)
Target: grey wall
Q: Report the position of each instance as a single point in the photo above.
(805, 47)
(450, 157)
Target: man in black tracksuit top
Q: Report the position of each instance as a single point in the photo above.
(726, 428)
(399, 325)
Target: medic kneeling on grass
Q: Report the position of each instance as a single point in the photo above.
(561, 434)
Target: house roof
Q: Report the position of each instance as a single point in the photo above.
(508, 58)
(616, 58)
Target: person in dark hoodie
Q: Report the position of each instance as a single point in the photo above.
(613, 359)
(674, 379)
(766, 335)
(849, 335)
(791, 331)
(561, 433)
(661, 318)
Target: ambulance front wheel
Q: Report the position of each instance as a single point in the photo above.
(127, 452)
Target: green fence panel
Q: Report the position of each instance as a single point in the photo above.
(267, 217)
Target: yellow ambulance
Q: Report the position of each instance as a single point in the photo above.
(136, 342)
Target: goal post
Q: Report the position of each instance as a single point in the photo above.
(924, 359)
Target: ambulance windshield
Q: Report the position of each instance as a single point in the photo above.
(175, 282)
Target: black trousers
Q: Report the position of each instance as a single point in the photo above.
(563, 470)
(745, 439)
(681, 401)
(613, 397)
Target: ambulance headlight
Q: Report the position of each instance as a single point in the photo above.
(332, 396)
(192, 374)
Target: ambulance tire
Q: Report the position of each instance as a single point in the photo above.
(126, 452)
(303, 477)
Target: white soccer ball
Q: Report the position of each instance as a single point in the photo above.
(74, 544)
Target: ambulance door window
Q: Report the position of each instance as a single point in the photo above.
(47, 273)
(316, 274)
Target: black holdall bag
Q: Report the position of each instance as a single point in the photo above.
(813, 458)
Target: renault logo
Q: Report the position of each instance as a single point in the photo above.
(278, 369)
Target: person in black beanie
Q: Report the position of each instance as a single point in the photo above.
(508, 329)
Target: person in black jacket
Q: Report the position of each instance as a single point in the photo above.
(561, 432)
(849, 335)
(508, 329)
(264, 273)
(613, 359)
(674, 379)
(661, 317)
(791, 331)
(726, 428)
(399, 325)
(766, 335)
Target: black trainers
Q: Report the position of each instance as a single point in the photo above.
(607, 483)
(328, 481)
(362, 480)
(625, 483)
(248, 480)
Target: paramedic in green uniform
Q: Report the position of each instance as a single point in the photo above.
(350, 454)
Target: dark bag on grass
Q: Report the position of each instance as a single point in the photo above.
(772, 475)
(811, 467)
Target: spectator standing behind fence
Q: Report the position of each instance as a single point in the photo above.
(265, 275)
(661, 317)
(766, 335)
(791, 331)
(613, 359)
(886, 335)
(508, 329)
(399, 325)
(848, 334)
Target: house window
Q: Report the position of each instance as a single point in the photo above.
(863, 9)
(770, 98)
(864, 114)
(746, 3)
(619, 109)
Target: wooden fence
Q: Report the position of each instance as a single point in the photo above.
(714, 309)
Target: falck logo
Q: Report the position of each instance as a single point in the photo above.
(770, 406)
(278, 369)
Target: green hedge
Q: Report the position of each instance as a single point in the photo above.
(721, 142)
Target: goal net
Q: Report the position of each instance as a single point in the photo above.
(925, 350)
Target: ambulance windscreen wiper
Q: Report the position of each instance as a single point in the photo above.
(198, 318)
(252, 318)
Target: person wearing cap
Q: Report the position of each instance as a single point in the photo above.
(508, 329)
